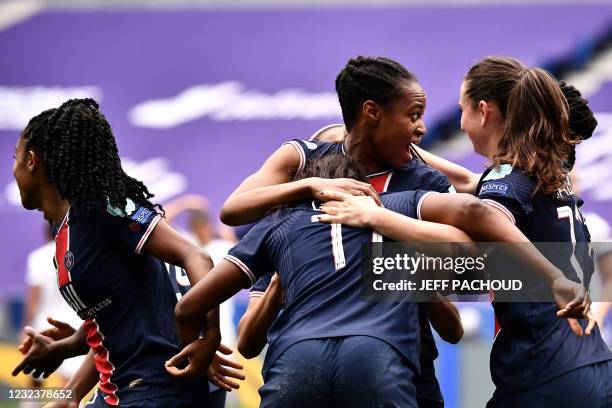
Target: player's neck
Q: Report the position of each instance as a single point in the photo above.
(359, 147)
(492, 146)
(54, 207)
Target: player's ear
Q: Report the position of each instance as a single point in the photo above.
(33, 160)
(371, 112)
(484, 109)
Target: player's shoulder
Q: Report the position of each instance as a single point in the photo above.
(275, 220)
(506, 180)
(310, 148)
(131, 211)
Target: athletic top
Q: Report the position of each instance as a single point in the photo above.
(124, 297)
(534, 345)
(320, 270)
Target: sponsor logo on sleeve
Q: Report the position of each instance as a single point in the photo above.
(142, 215)
(498, 188)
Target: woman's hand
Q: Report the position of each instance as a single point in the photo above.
(221, 369)
(203, 359)
(322, 189)
(354, 211)
(43, 357)
(60, 330)
(199, 355)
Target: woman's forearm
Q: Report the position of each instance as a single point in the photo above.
(461, 178)
(251, 205)
(256, 322)
(85, 378)
(419, 233)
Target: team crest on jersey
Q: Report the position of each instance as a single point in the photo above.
(499, 187)
(501, 172)
(68, 260)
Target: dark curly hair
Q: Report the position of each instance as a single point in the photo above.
(80, 155)
(369, 78)
(582, 122)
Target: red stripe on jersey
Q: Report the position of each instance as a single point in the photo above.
(103, 365)
(62, 242)
(380, 182)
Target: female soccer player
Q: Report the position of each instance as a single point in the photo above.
(111, 245)
(517, 117)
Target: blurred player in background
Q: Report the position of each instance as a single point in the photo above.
(203, 233)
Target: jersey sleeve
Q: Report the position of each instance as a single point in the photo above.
(134, 224)
(441, 184)
(407, 203)
(251, 254)
(260, 287)
(507, 190)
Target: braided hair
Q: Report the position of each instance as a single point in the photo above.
(582, 122)
(369, 78)
(80, 155)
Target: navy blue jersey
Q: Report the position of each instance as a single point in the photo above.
(124, 297)
(534, 345)
(320, 270)
(415, 175)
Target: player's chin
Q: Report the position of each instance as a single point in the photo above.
(28, 204)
